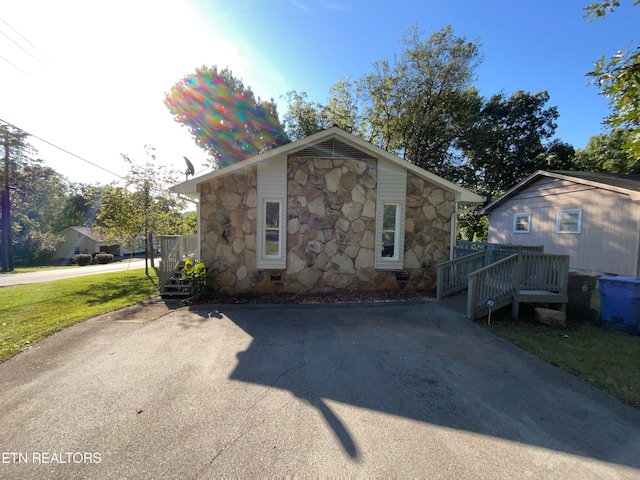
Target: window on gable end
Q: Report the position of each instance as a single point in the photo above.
(569, 221)
(522, 223)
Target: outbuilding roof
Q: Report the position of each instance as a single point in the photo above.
(88, 232)
(462, 195)
(628, 184)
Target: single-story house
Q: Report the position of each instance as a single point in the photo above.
(330, 211)
(83, 240)
(593, 217)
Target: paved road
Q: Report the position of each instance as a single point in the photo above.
(7, 279)
(403, 391)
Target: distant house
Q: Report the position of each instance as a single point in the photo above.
(593, 217)
(83, 240)
(326, 212)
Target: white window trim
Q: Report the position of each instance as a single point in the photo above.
(396, 237)
(579, 222)
(515, 222)
(263, 227)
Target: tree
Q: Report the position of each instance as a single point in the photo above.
(605, 153)
(224, 117)
(342, 108)
(558, 155)
(505, 145)
(35, 193)
(143, 206)
(436, 80)
(80, 206)
(416, 107)
(507, 142)
(303, 118)
(619, 79)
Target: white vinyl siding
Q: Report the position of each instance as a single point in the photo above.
(272, 190)
(392, 192)
(522, 223)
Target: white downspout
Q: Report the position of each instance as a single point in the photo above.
(454, 222)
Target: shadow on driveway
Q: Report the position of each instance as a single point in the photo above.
(425, 363)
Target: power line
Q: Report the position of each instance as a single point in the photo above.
(24, 49)
(22, 37)
(14, 66)
(62, 149)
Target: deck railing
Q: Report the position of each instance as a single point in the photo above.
(521, 276)
(495, 251)
(453, 276)
(174, 249)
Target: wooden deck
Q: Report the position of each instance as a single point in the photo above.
(518, 278)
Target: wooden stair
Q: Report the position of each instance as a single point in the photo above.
(523, 277)
(177, 284)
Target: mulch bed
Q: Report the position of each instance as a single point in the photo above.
(333, 297)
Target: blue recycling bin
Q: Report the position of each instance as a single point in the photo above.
(620, 303)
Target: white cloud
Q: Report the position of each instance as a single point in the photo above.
(300, 5)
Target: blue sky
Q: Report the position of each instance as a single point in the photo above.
(95, 85)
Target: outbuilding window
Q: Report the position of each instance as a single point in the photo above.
(569, 221)
(522, 223)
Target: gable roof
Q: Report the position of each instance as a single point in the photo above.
(88, 232)
(319, 142)
(628, 184)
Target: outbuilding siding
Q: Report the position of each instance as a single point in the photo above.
(610, 234)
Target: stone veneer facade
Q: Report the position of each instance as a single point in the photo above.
(330, 230)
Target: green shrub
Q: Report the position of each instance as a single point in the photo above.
(82, 259)
(103, 258)
(197, 273)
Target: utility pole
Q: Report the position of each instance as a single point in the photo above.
(146, 227)
(7, 254)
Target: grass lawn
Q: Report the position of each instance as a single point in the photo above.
(605, 358)
(29, 313)
(38, 269)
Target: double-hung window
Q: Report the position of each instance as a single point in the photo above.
(272, 228)
(522, 223)
(569, 221)
(390, 230)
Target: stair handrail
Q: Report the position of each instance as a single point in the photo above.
(173, 250)
(453, 274)
(498, 281)
(503, 281)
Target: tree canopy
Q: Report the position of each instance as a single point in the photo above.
(507, 141)
(143, 204)
(35, 195)
(415, 107)
(618, 78)
(225, 118)
(605, 153)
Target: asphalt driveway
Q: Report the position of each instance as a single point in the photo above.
(405, 391)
